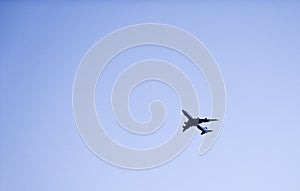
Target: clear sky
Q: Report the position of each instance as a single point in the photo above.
(255, 43)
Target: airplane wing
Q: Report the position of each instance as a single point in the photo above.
(187, 115)
(186, 126)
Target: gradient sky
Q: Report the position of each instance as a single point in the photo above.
(256, 45)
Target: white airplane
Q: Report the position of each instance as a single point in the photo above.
(195, 122)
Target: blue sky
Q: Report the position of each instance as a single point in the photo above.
(256, 45)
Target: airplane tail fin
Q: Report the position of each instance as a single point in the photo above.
(206, 131)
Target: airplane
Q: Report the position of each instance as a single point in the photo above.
(195, 122)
